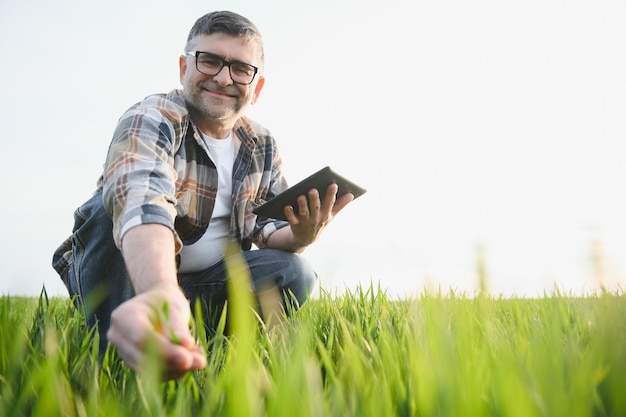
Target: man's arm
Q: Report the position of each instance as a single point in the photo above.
(313, 216)
(148, 251)
(149, 254)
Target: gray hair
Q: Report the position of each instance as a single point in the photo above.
(229, 23)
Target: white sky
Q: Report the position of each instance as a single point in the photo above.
(472, 123)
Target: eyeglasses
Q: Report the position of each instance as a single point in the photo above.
(211, 64)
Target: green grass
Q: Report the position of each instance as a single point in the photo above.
(355, 354)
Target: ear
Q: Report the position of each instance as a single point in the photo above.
(257, 89)
(182, 65)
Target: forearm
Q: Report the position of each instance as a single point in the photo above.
(284, 239)
(149, 253)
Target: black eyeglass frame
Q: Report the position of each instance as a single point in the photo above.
(225, 63)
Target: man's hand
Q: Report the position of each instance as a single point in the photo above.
(313, 216)
(160, 316)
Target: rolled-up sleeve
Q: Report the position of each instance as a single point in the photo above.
(139, 176)
(264, 227)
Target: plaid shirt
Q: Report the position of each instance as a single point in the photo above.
(158, 171)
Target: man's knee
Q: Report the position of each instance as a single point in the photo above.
(291, 273)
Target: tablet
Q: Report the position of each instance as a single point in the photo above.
(320, 180)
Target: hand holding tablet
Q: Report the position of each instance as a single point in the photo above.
(320, 180)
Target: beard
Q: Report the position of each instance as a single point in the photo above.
(214, 108)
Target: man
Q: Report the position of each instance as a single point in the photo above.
(183, 173)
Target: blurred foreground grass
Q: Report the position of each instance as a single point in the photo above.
(356, 354)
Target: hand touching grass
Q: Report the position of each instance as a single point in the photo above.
(157, 321)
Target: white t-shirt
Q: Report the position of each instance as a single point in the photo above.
(209, 249)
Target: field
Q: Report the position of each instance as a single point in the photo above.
(354, 354)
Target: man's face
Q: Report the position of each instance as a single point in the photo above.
(217, 100)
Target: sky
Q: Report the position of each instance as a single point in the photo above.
(480, 128)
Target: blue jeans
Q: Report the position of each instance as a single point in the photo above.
(98, 278)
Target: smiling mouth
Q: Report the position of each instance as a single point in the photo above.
(217, 93)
